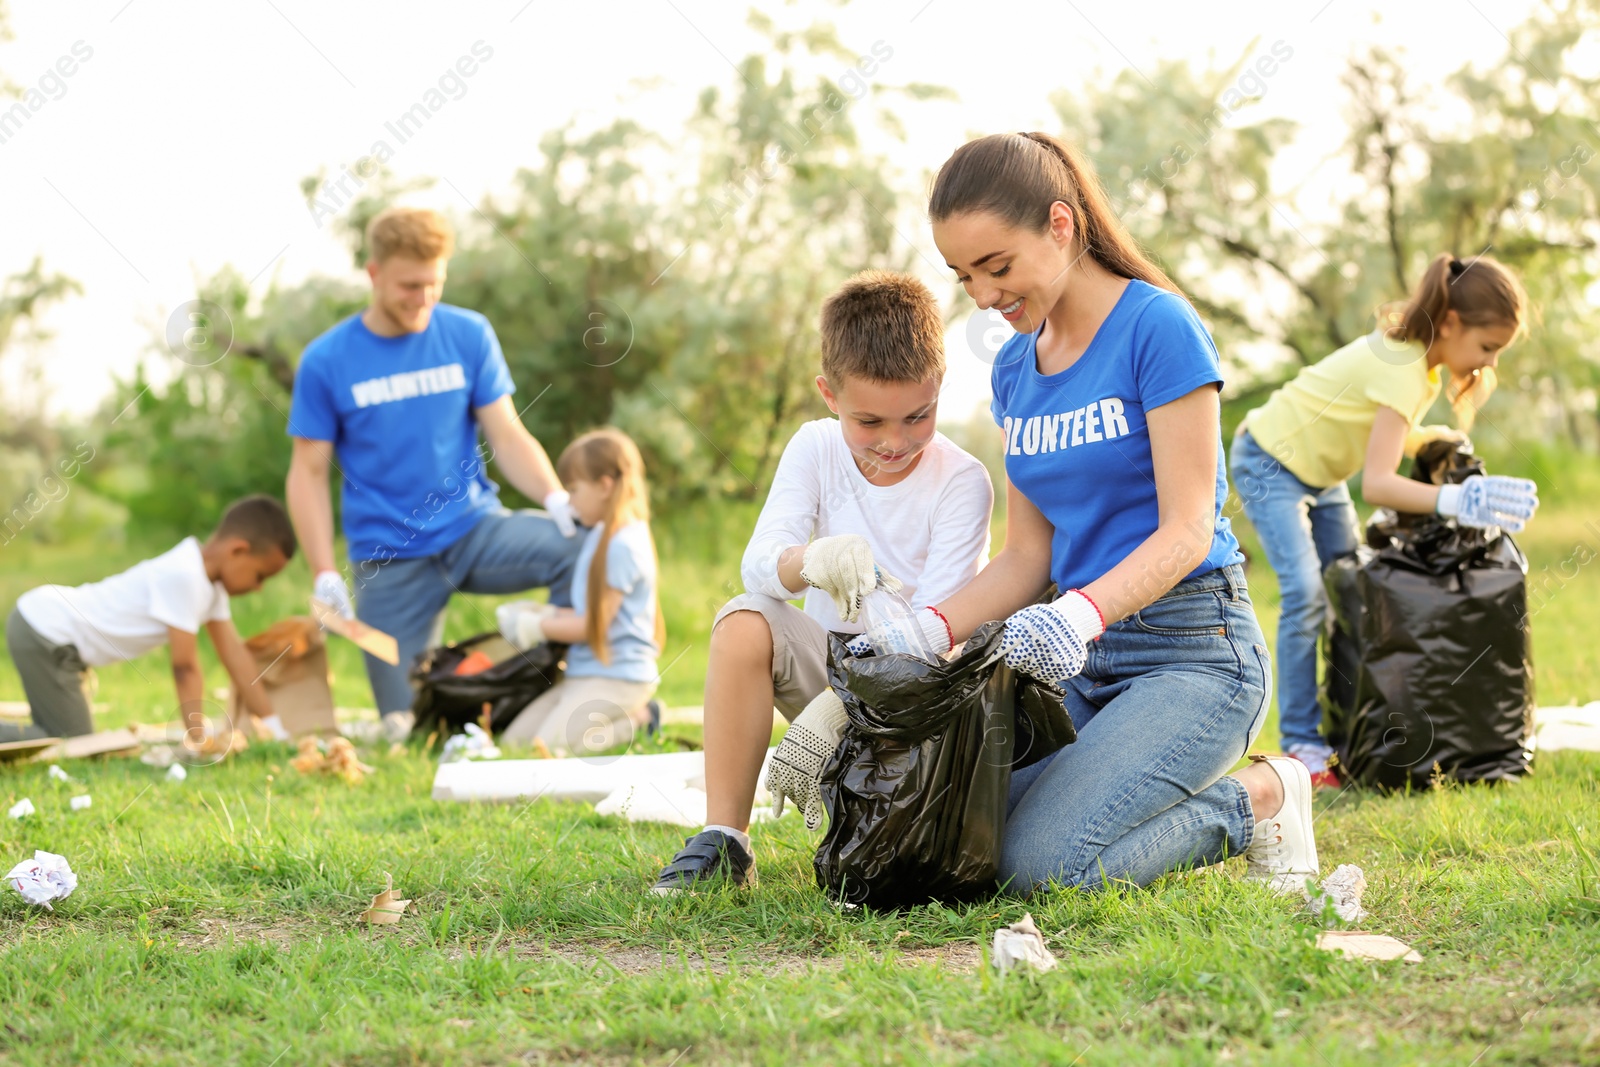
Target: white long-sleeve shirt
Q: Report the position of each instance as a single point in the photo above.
(930, 530)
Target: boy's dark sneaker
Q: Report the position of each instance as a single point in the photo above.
(653, 726)
(707, 857)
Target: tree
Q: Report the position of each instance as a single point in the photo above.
(668, 285)
(1513, 178)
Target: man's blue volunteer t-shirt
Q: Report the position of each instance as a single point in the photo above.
(1076, 441)
(399, 411)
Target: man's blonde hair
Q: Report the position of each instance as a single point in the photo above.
(413, 232)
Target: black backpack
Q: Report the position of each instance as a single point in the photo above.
(447, 701)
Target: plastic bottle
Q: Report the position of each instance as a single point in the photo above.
(881, 606)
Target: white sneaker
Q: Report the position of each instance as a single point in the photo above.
(397, 725)
(1283, 850)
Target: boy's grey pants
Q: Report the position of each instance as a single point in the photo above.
(55, 678)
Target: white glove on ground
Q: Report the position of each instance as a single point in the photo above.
(907, 634)
(522, 622)
(795, 772)
(1490, 500)
(271, 726)
(842, 567)
(1050, 642)
(330, 589)
(558, 504)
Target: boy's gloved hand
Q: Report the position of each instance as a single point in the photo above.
(330, 589)
(1050, 642)
(558, 504)
(842, 567)
(522, 622)
(795, 772)
(905, 633)
(1490, 500)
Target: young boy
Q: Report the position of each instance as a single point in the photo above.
(57, 633)
(876, 494)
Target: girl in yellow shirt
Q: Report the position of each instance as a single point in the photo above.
(1359, 409)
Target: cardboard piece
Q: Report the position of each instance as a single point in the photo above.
(366, 637)
(1358, 944)
(293, 666)
(104, 743)
(591, 778)
(15, 750)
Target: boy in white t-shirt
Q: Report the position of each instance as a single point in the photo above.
(57, 633)
(876, 494)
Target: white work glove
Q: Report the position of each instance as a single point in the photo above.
(522, 622)
(1050, 642)
(905, 633)
(842, 567)
(558, 504)
(330, 589)
(795, 772)
(1490, 500)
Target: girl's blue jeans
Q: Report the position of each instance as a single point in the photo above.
(1302, 529)
(1170, 699)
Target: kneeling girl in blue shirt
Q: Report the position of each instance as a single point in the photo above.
(614, 626)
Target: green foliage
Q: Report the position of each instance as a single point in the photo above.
(178, 453)
(1512, 175)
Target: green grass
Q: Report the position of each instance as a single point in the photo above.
(216, 922)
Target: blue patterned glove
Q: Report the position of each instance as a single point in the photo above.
(1490, 500)
(1050, 642)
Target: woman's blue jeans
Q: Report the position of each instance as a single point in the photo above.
(1170, 699)
(1302, 530)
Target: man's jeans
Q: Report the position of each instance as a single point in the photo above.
(1302, 530)
(506, 552)
(1170, 699)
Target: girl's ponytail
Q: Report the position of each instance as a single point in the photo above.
(610, 453)
(1018, 176)
(1482, 291)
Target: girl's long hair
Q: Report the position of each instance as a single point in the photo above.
(610, 453)
(1018, 176)
(1482, 291)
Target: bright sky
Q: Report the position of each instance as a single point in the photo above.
(178, 145)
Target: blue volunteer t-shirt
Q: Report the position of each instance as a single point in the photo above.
(399, 411)
(631, 570)
(1076, 441)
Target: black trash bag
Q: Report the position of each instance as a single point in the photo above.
(916, 791)
(1440, 627)
(1341, 644)
(447, 701)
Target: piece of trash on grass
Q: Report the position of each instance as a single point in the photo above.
(220, 744)
(79, 803)
(1021, 945)
(159, 756)
(44, 878)
(58, 774)
(385, 908)
(176, 773)
(474, 744)
(21, 808)
(1358, 944)
(340, 759)
(1342, 890)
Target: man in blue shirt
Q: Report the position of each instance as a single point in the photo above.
(393, 399)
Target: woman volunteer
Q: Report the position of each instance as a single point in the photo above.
(1108, 397)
